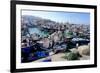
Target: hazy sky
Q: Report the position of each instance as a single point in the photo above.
(71, 17)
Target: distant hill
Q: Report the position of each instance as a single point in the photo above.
(33, 20)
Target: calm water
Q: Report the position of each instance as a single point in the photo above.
(38, 31)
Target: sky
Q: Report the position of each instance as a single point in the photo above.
(62, 17)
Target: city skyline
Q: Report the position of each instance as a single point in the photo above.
(61, 17)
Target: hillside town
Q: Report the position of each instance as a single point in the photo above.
(44, 40)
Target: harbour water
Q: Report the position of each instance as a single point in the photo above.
(36, 30)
